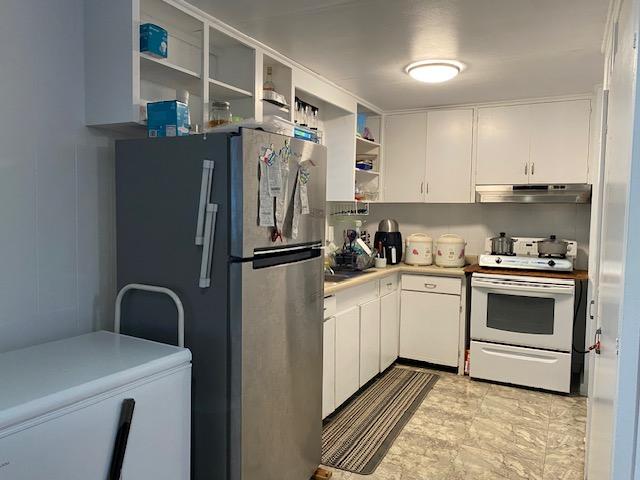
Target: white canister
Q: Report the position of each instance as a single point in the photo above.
(450, 251)
(419, 249)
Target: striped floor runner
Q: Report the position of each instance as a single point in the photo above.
(358, 436)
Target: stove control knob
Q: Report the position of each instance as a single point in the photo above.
(498, 260)
(552, 263)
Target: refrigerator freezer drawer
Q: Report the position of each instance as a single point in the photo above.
(521, 366)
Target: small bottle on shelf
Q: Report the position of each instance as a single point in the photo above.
(268, 85)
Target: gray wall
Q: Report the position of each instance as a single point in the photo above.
(56, 181)
(476, 222)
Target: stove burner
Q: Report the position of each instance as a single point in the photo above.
(504, 254)
(540, 255)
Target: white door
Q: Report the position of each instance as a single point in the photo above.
(328, 366)
(429, 327)
(503, 145)
(405, 138)
(560, 142)
(389, 329)
(347, 354)
(449, 155)
(614, 396)
(369, 340)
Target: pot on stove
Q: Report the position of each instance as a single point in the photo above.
(552, 247)
(502, 244)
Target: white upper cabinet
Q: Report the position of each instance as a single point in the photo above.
(404, 157)
(428, 156)
(539, 143)
(503, 145)
(560, 142)
(449, 156)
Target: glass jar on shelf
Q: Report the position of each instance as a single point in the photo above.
(220, 113)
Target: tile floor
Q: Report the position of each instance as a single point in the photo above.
(470, 430)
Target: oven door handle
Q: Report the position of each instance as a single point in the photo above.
(530, 288)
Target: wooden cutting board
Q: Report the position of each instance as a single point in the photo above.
(575, 275)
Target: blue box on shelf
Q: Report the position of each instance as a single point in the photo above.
(153, 40)
(167, 119)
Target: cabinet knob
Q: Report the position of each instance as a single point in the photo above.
(430, 285)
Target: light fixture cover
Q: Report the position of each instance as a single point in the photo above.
(434, 71)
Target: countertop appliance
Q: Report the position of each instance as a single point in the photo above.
(526, 257)
(66, 405)
(389, 236)
(450, 251)
(522, 325)
(419, 249)
(189, 216)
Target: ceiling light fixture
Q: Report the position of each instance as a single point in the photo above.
(434, 71)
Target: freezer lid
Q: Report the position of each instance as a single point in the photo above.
(43, 378)
(247, 234)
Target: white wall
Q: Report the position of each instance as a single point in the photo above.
(476, 222)
(56, 181)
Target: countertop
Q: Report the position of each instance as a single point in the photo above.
(575, 275)
(376, 273)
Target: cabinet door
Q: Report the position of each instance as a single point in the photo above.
(449, 155)
(328, 366)
(389, 329)
(429, 327)
(347, 354)
(369, 340)
(405, 138)
(560, 142)
(503, 145)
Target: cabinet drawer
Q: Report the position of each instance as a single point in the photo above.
(330, 307)
(521, 366)
(425, 283)
(388, 284)
(356, 296)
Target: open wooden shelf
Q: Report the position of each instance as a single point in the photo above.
(370, 173)
(162, 72)
(223, 91)
(366, 146)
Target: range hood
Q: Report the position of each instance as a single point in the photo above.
(571, 193)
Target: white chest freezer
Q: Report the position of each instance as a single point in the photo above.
(65, 407)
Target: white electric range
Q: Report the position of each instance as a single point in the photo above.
(522, 326)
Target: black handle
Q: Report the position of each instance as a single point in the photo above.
(122, 436)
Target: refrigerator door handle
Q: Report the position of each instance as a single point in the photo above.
(205, 194)
(207, 248)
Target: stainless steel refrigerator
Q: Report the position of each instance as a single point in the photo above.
(234, 225)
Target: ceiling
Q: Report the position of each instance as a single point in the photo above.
(513, 48)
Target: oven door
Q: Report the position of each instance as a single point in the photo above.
(525, 311)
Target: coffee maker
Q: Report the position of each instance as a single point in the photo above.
(388, 236)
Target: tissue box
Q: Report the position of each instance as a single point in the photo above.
(167, 119)
(153, 40)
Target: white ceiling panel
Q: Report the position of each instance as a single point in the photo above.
(513, 48)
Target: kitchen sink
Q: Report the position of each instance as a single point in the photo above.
(342, 276)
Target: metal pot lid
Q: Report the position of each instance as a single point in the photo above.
(388, 225)
(553, 239)
(503, 235)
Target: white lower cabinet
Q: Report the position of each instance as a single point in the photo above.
(389, 329)
(369, 340)
(328, 366)
(429, 327)
(347, 354)
(376, 323)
